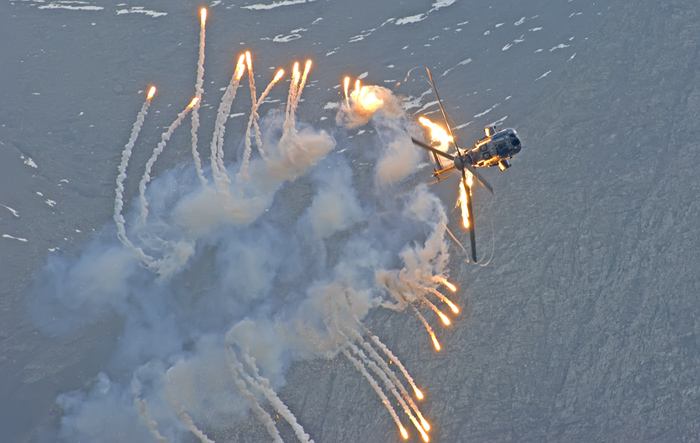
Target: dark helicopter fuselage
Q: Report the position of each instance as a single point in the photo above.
(493, 150)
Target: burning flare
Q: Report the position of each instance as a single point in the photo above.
(248, 61)
(240, 66)
(363, 97)
(404, 433)
(295, 73)
(463, 203)
(151, 93)
(419, 393)
(435, 342)
(452, 306)
(203, 15)
(449, 285)
(192, 103)
(444, 318)
(438, 134)
(346, 84)
(425, 424)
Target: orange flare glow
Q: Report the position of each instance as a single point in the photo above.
(240, 67)
(452, 306)
(295, 73)
(425, 424)
(435, 342)
(404, 433)
(151, 93)
(203, 15)
(346, 84)
(307, 67)
(357, 87)
(248, 61)
(193, 103)
(463, 204)
(278, 76)
(368, 100)
(419, 394)
(437, 133)
(444, 318)
(451, 287)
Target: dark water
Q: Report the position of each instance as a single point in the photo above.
(583, 325)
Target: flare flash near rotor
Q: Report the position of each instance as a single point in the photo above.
(438, 134)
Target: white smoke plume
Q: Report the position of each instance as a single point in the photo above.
(226, 283)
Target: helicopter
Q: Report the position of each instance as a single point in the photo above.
(494, 149)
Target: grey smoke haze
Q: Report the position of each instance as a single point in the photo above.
(581, 328)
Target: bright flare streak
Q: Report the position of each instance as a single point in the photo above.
(435, 342)
(240, 67)
(452, 287)
(295, 75)
(425, 424)
(444, 318)
(151, 93)
(307, 67)
(248, 61)
(452, 306)
(437, 133)
(203, 14)
(346, 84)
(463, 204)
(278, 76)
(419, 394)
(446, 300)
(193, 103)
(404, 433)
(368, 100)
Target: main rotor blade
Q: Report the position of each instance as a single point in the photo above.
(480, 179)
(444, 115)
(470, 215)
(431, 149)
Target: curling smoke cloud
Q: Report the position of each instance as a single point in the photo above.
(231, 293)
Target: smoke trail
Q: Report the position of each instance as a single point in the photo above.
(199, 91)
(387, 404)
(390, 385)
(253, 121)
(242, 282)
(156, 152)
(427, 327)
(392, 376)
(119, 198)
(263, 416)
(446, 300)
(180, 410)
(262, 386)
(393, 358)
(152, 424)
(217, 141)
